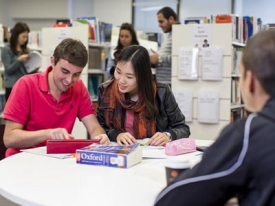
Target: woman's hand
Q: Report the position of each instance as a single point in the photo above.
(125, 138)
(158, 139)
(24, 57)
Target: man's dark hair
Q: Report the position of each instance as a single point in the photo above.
(167, 12)
(259, 58)
(73, 51)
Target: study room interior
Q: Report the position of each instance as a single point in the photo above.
(206, 51)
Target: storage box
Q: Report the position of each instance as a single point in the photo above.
(55, 146)
(120, 156)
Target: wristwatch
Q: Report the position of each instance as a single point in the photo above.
(169, 135)
(159, 59)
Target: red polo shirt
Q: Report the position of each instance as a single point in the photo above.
(32, 105)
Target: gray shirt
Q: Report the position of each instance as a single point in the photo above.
(163, 70)
(14, 69)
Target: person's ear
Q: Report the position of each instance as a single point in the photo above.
(171, 19)
(251, 81)
(52, 61)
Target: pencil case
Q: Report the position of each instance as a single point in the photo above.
(180, 146)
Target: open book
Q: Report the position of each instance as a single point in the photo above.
(34, 62)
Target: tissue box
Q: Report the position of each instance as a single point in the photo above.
(180, 146)
(120, 156)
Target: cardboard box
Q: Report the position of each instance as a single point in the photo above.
(120, 156)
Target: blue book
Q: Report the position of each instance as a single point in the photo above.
(119, 156)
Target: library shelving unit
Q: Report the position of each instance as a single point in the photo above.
(97, 67)
(2, 88)
(221, 37)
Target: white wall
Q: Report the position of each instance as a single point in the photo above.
(260, 8)
(37, 14)
(5, 12)
(113, 11)
(79, 8)
(238, 7)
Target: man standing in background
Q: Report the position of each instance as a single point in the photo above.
(162, 59)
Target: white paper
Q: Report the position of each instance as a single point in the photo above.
(188, 63)
(212, 63)
(208, 107)
(43, 151)
(34, 62)
(184, 99)
(61, 34)
(201, 35)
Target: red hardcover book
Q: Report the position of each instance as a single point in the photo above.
(68, 145)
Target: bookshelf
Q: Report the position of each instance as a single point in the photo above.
(221, 37)
(2, 88)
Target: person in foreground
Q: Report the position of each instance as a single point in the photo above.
(45, 105)
(241, 161)
(133, 106)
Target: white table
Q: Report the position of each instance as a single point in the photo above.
(29, 179)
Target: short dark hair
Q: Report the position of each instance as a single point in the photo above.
(139, 57)
(259, 58)
(71, 50)
(130, 28)
(167, 12)
(19, 27)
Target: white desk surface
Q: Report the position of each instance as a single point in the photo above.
(29, 179)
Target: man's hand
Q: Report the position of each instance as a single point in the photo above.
(158, 139)
(103, 139)
(154, 57)
(126, 138)
(59, 133)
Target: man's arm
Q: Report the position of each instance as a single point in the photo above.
(16, 137)
(94, 128)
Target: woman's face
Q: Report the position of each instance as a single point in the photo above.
(125, 38)
(23, 37)
(126, 78)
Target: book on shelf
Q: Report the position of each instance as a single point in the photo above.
(99, 32)
(94, 81)
(237, 114)
(196, 20)
(92, 23)
(235, 91)
(119, 156)
(105, 32)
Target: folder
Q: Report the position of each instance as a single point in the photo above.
(68, 145)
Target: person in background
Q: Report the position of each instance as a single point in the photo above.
(205, 43)
(127, 37)
(240, 163)
(14, 55)
(133, 106)
(162, 59)
(45, 105)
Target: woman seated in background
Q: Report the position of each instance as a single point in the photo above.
(127, 37)
(133, 106)
(14, 55)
